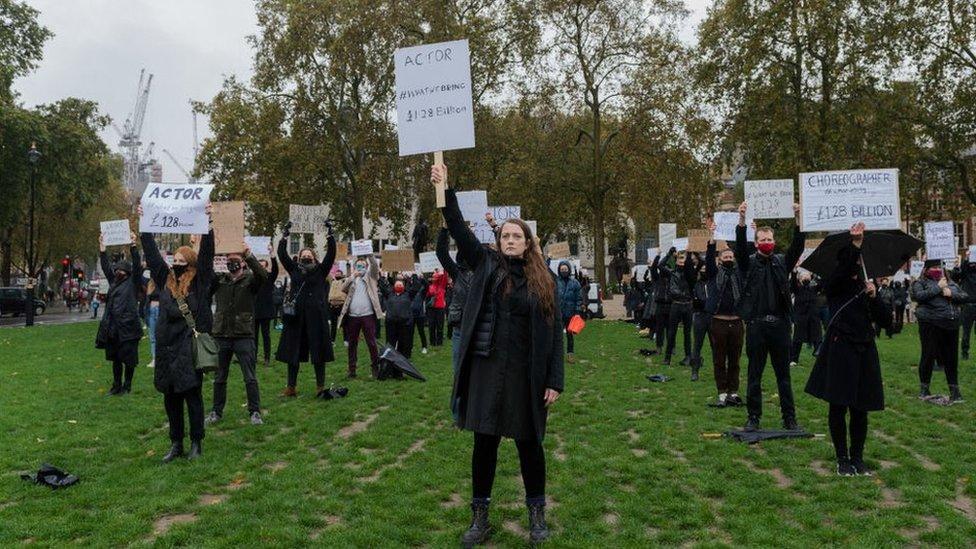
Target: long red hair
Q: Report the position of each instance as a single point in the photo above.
(182, 286)
(537, 275)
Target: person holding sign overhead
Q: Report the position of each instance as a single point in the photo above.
(362, 312)
(120, 329)
(765, 308)
(305, 313)
(184, 295)
(511, 360)
(937, 310)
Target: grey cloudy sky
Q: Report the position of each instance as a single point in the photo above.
(189, 45)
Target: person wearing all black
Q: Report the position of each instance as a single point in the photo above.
(511, 360)
(886, 295)
(967, 282)
(900, 301)
(765, 308)
(306, 333)
(662, 299)
(418, 288)
(280, 289)
(120, 329)
(680, 284)
(649, 313)
(701, 319)
(264, 309)
(806, 316)
(189, 281)
(234, 294)
(724, 290)
(937, 310)
(847, 372)
(399, 319)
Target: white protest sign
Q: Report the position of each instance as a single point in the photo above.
(939, 240)
(807, 252)
(949, 263)
(260, 245)
(416, 268)
(175, 209)
(666, 233)
(972, 250)
(362, 247)
(532, 226)
(433, 97)
(503, 213)
(833, 201)
(915, 270)
(390, 247)
(725, 224)
(652, 253)
(116, 233)
(429, 262)
(307, 219)
(473, 205)
(900, 276)
(680, 244)
(770, 198)
(639, 271)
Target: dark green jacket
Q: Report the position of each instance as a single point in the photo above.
(234, 316)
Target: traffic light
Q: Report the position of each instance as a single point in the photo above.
(80, 274)
(65, 262)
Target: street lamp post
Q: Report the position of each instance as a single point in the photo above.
(33, 155)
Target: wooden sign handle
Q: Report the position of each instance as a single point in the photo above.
(439, 188)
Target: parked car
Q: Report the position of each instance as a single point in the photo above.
(12, 301)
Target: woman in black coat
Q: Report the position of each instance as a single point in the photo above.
(306, 333)
(847, 373)
(120, 330)
(511, 359)
(264, 309)
(806, 320)
(190, 280)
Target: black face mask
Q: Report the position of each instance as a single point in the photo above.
(563, 273)
(728, 264)
(120, 276)
(233, 266)
(178, 270)
(306, 261)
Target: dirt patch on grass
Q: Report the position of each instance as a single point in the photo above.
(632, 435)
(238, 482)
(639, 452)
(820, 468)
(926, 463)
(356, 427)
(417, 446)
(453, 502)
(165, 522)
(330, 521)
(782, 481)
(890, 498)
(913, 534)
(211, 499)
(612, 519)
(963, 503)
(276, 466)
(516, 528)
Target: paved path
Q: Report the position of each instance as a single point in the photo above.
(51, 317)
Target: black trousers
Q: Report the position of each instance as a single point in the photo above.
(419, 323)
(661, 315)
(839, 430)
(173, 402)
(899, 319)
(399, 335)
(435, 318)
(118, 367)
(262, 328)
(968, 316)
(701, 324)
(246, 352)
(334, 322)
(484, 460)
(680, 314)
(772, 340)
(570, 344)
(938, 345)
(319, 374)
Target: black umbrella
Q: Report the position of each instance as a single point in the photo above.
(883, 253)
(399, 363)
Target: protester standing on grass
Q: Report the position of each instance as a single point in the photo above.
(937, 309)
(765, 308)
(966, 279)
(305, 336)
(662, 299)
(418, 288)
(724, 283)
(511, 360)
(264, 309)
(362, 312)
(569, 294)
(186, 286)
(120, 329)
(806, 315)
(701, 319)
(235, 294)
(847, 372)
(679, 288)
(900, 303)
(436, 312)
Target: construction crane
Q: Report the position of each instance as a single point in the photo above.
(131, 133)
(189, 176)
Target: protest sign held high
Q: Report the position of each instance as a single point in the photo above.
(175, 209)
(833, 201)
(770, 198)
(116, 233)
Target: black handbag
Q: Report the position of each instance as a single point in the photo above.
(288, 307)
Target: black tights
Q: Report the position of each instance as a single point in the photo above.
(117, 368)
(484, 459)
(319, 374)
(838, 431)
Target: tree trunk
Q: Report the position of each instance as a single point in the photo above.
(597, 199)
(6, 248)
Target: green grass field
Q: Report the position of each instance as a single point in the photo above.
(628, 465)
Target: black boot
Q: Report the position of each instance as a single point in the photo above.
(923, 390)
(538, 530)
(115, 390)
(175, 451)
(195, 450)
(695, 366)
(127, 385)
(954, 394)
(480, 530)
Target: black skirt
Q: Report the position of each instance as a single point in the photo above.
(848, 374)
(126, 352)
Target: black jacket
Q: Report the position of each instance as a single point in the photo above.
(234, 300)
(264, 302)
(753, 268)
(661, 274)
(120, 320)
(460, 276)
(306, 335)
(399, 307)
(174, 372)
(546, 355)
(967, 279)
(934, 307)
(718, 280)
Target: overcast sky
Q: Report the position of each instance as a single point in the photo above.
(188, 45)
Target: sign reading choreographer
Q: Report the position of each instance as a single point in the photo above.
(770, 198)
(175, 209)
(433, 97)
(939, 240)
(833, 201)
(307, 219)
(116, 233)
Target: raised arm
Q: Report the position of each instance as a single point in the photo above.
(325, 267)
(469, 248)
(690, 272)
(158, 268)
(444, 254)
(711, 269)
(260, 275)
(283, 256)
(274, 269)
(136, 275)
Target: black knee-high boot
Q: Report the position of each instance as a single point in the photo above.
(116, 378)
(129, 371)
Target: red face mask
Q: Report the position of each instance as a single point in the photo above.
(935, 274)
(766, 248)
(398, 288)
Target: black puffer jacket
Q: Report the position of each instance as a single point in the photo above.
(934, 307)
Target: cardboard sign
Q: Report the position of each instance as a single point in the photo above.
(260, 245)
(398, 261)
(559, 250)
(770, 198)
(698, 240)
(342, 250)
(680, 244)
(307, 219)
(116, 233)
(833, 201)
(429, 262)
(433, 97)
(362, 247)
(725, 224)
(666, 233)
(228, 227)
(939, 240)
(175, 209)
